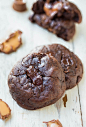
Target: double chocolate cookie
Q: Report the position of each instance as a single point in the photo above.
(71, 64)
(57, 16)
(37, 81)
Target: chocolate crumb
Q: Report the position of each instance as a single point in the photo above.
(65, 100)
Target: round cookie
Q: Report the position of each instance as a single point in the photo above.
(36, 81)
(71, 64)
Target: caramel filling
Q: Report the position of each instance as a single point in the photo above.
(34, 75)
(12, 43)
(51, 9)
(53, 123)
(50, 124)
(4, 109)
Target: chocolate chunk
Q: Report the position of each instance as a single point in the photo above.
(19, 5)
(5, 110)
(12, 43)
(53, 123)
(34, 75)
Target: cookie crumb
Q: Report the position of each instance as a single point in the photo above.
(65, 100)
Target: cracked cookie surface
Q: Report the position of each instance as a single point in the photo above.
(71, 64)
(37, 81)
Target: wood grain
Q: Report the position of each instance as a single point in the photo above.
(74, 115)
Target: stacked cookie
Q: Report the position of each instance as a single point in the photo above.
(41, 78)
(57, 16)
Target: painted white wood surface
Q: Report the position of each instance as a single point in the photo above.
(74, 115)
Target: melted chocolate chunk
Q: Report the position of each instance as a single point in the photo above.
(34, 75)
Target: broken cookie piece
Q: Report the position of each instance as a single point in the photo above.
(58, 9)
(19, 5)
(57, 16)
(12, 43)
(53, 123)
(5, 110)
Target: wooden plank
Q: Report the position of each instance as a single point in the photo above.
(80, 50)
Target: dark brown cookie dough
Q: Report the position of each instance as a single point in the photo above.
(58, 8)
(71, 64)
(36, 81)
(62, 28)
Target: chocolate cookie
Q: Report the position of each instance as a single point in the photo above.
(71, 64)
(57, 16)
(58, 8)
(37, 81)
(62, 28)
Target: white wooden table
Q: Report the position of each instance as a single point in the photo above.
(74, 115)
